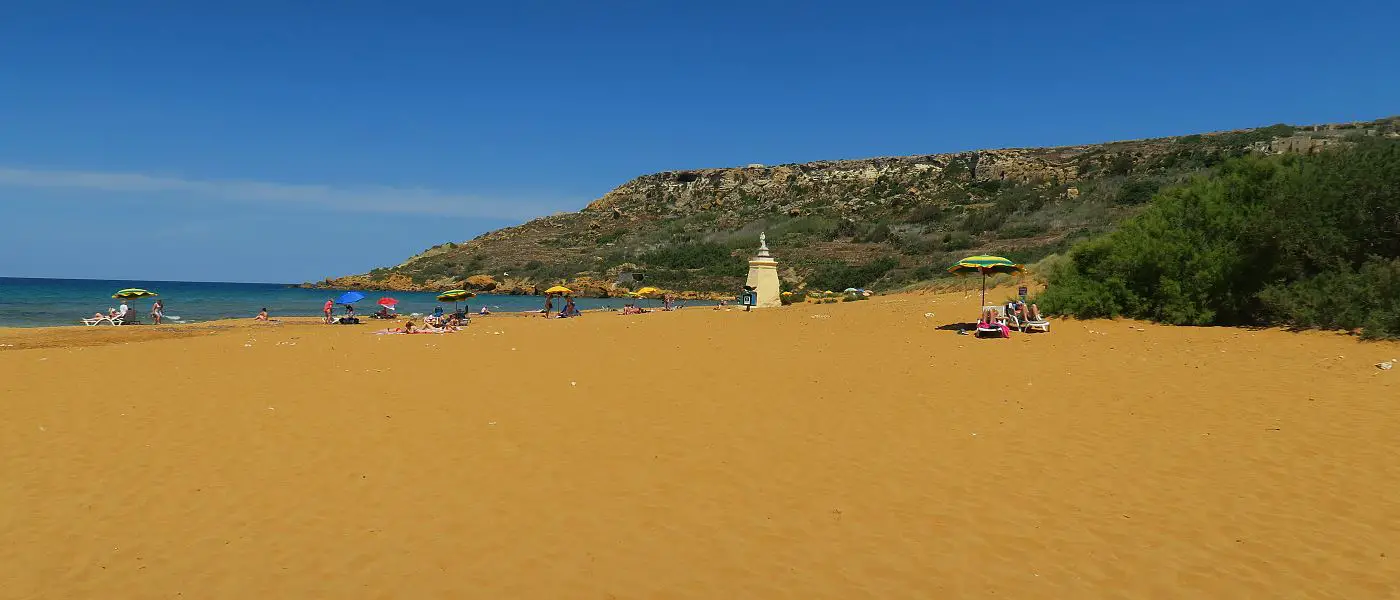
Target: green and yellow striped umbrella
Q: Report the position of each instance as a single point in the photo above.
(985, 265)
(133, 293)
(455, 296)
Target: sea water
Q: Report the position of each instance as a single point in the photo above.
(45, 302)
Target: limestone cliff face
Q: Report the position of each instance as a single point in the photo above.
(911, 212)
(826, 184)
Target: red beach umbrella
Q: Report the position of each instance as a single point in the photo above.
(386, 301)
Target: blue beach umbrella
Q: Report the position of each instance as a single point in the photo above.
(349, 298)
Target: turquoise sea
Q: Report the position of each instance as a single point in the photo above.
(46, 302)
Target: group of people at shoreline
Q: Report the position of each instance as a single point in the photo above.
(127, 314)
(569, 310)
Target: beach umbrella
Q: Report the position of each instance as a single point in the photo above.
(647, 291)
(387, 301)
(133, 293)
(455, 296)
(985, 265)
(349, 298)
(558, 289)
(851, 291)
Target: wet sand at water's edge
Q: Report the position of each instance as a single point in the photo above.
(849, 450)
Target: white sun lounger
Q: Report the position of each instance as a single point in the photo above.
(1041, 325)
(100, 320)
(991, 328)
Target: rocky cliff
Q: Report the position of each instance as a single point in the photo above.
(877, 221)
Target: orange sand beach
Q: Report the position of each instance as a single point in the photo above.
(850, 450)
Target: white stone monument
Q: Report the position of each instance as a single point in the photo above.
(763, 276)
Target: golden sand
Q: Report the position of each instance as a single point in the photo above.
(833, 451)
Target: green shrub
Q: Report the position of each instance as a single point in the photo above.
(1136, 191)
(875, 233)
(688, 256)
(839, 276)
(1310, 241)
(928, 213)
(1021, 230)
(916, 245)
(957, 240)
(1367, 298)
(1121, 165)
(986, 219)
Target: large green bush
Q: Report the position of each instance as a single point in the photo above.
(1309, 241)
(688, 256)
(839, 276)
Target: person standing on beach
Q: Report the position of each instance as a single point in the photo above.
(330, 306)
(158, 311)
(548, 304)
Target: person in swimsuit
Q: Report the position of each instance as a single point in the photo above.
(569, 309)
(158, 311)
(330, 306)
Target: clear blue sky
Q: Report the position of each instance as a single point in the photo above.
(286, 141)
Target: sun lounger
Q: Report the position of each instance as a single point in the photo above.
(998, 327)
(100, 320)
(1041, 325)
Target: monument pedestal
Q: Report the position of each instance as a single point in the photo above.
(763, 276)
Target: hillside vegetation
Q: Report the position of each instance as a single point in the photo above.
(879, 223)
(1305, 241)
